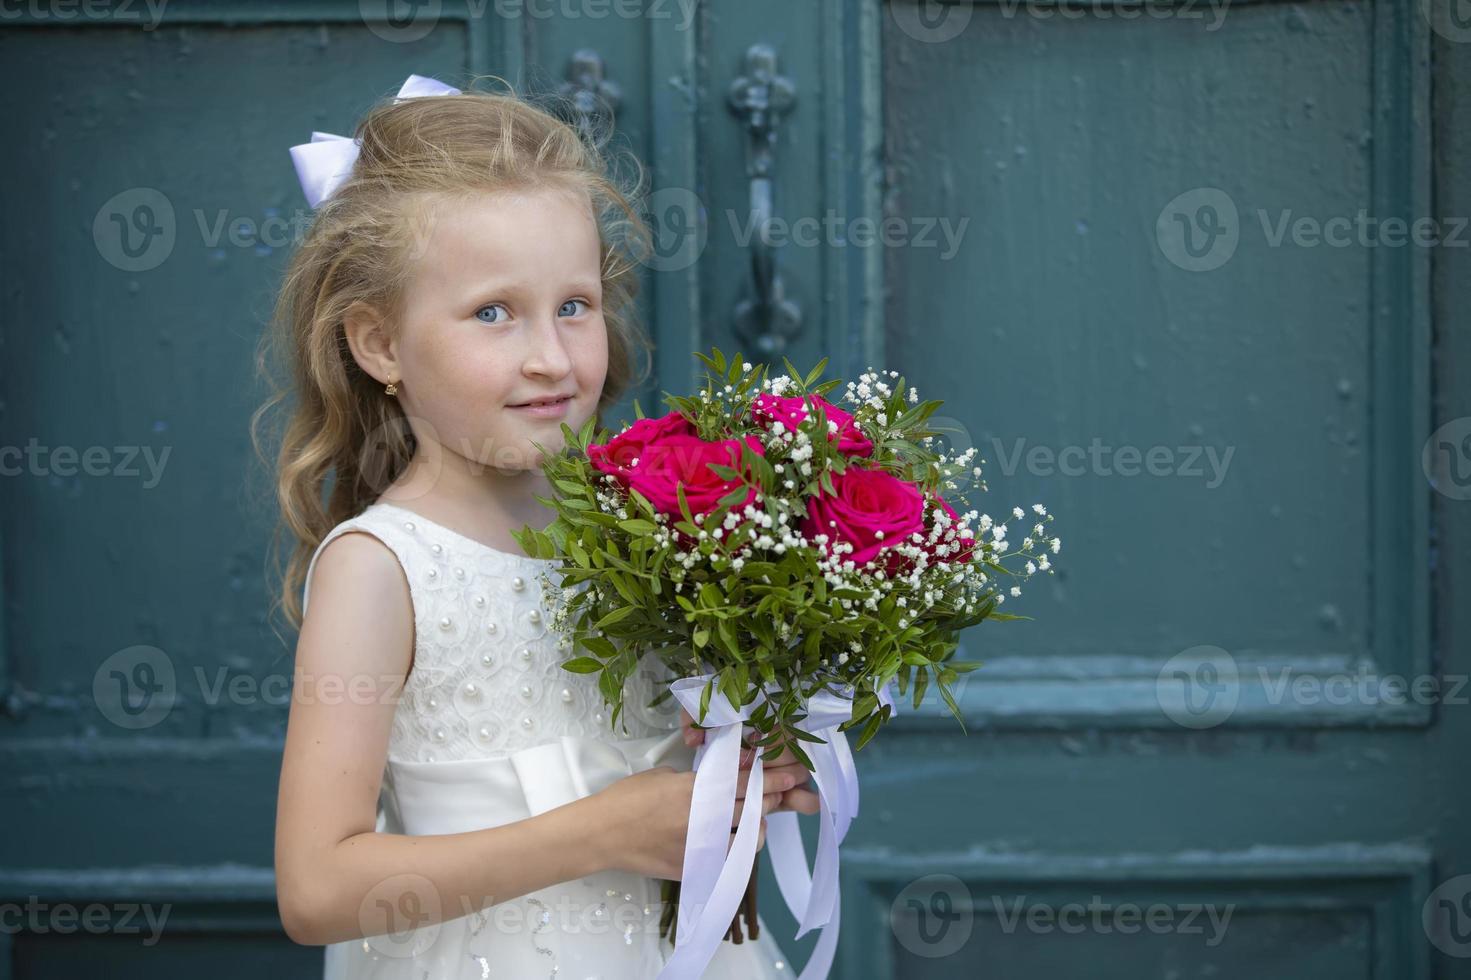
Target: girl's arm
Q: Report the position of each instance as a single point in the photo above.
(334, 872)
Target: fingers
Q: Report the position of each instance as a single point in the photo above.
(774, 778)
(800, 800)
(692, 736)
(769, 803)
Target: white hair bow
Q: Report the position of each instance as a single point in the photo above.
(324, 163)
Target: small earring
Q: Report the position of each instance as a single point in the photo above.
(390, 389)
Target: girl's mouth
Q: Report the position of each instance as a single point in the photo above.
(549, 409)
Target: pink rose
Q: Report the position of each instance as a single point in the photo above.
(867, 503)
(791, 412)
(966, 539)
(683, 460)
(621, 454)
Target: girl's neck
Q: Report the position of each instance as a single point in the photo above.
(476, 499)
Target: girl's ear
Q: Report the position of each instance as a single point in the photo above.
(371, 346)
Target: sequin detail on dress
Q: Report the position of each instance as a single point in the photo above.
(487, 678)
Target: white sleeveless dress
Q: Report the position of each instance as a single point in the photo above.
(489, 730)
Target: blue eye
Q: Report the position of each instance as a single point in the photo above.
(491, 306)
(570, 302)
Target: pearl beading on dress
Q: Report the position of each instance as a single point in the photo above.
(487, 678)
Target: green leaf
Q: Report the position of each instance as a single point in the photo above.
(684, 507)
(616, 616)
(806, 736)
(736, 496)
(792, 371)
(869, 729)
(954, 708)
(583, 665)
(639, 526)
(816, 373)
(801, 755)
(600, 645)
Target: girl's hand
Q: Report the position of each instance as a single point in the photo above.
(648, 816)
(798, 799)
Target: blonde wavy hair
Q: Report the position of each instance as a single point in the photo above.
(415, 154)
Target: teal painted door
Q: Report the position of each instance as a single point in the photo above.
(1108, 238)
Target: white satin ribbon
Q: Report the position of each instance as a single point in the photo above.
(714, 881)
(324, 163)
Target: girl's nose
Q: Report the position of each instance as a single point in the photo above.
(548, 355)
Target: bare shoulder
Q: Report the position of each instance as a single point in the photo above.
(361, 607)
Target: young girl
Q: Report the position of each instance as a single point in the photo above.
(452, 802)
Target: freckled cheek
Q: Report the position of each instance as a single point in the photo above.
(590, 360)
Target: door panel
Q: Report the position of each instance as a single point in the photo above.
(1184, 725)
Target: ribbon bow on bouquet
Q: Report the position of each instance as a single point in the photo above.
(713, 881)
(324, 163)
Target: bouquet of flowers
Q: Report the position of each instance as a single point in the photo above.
(790, 561)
